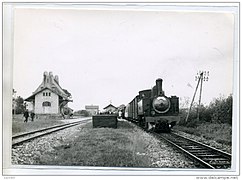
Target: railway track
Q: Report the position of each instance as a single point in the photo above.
(26, 137)
(206, 156)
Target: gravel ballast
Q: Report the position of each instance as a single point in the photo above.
(47, 150)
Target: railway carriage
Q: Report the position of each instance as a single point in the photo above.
(153, 110)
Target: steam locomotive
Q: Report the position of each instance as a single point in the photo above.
(153, 110)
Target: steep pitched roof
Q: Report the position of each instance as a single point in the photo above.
(110, 105)
(52, 83)
(34, 93)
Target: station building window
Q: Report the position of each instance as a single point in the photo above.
(46, 94)
(46, 103)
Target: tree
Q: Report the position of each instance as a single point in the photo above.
(222, 110)
(19, 104)
(184, 102)
(82, 113)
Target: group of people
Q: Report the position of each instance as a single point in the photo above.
(27, 115)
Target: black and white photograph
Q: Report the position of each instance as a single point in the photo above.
(121, 89)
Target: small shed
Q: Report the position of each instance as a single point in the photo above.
(105, 120)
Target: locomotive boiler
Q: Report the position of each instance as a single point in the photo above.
(153, 110)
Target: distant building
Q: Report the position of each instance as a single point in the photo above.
(121, 107)
(30, 106)
(93, 110)
(110, 109)
(49, 97)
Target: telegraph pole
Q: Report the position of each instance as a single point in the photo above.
(200, 95)
(201, 76)
(204, 77)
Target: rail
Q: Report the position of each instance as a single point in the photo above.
(28, 136)
(206, 156)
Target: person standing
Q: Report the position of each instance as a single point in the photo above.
(26, 115)
(120, 114)
(32, 114)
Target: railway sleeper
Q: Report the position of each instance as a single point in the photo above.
(222, 166)
(216, 159)
(200, 153)
(181, 143)
(194, 148)
(209, 155)
(185, 145)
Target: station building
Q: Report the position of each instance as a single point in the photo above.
(49, 97)
(92, 109)
(110, 109)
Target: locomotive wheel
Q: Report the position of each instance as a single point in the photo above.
(140, 121)
(146, 126)
(162, 127)
(168, 128)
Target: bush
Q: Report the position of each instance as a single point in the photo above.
(82, 113)
(193, 123)
(221, 133)
(222, 110)
(218, 111)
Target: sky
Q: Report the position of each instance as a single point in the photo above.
(104, 56)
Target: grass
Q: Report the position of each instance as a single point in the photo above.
(18, 125)
(221, 133)
(106, 147)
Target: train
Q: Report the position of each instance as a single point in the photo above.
(153, 110)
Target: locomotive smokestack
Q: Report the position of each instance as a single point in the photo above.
(159, 87)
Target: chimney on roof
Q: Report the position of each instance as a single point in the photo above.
(57, 79)
(50, 77)
(45, 77)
